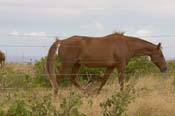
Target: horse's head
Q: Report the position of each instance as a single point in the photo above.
(158, 59)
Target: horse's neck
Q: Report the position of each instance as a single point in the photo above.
(142, 48)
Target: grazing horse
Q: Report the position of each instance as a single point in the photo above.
(111, 51)
(2, 58)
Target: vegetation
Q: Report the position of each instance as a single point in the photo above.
(34, 105)
(15, 76)
(70, 105)
(118, 103)
(25, 91)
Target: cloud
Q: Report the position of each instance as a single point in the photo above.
(15, 33)
(144, 32)
(148, 33)
(55, 7)
(92, 4)
(99, 26)
(56, 3)
(80, 7)
(30, 34)
(37, 34)
(151, 35)
(94, 25)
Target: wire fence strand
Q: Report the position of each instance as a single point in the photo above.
(48, 46)
(59, 36)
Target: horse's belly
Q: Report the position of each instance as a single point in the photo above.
(99, 57)
(97, 63)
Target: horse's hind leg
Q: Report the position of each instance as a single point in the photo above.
(1, 64)
(105, 77)
(4, 62)
(75, 71)
(64, 69)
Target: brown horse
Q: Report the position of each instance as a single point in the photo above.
(111, 51)
(2, 58)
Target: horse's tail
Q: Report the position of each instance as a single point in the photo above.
(3, 57)
(50, 61)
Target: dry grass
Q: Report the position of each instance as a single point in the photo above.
(20, 68)
(154, 97)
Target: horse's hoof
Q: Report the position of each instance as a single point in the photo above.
(98, 92)
(84, 90)
(55, 92)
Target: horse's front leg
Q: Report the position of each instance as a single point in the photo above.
(1, 64)
(121, 75)
(105, 77)
(121, 80)
(75, 71)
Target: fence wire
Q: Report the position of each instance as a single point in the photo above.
(58, 36)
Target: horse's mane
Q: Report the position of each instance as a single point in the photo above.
(117, 33)
(145, 41)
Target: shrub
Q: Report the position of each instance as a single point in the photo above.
(70, 105)
(90, 74)
(171, 67)
(42, 107)
(2, 113)
(41, 77)
(118, 103)
(18, 109)
(10, 78)
(37, 105)
(139, 66)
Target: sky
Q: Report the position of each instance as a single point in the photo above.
(150, 20)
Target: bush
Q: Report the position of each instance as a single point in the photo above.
(118, 103)
(42, 107)
(171, 67)
(2, 113)
(70, 105)
(139, 66)
(90, 74)
(41, 77)
(10, 78)
(18, 109)
(37, 105)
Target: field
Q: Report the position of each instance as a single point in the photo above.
(150, 94)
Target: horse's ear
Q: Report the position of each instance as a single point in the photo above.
(159, 46)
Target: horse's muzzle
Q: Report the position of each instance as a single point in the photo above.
(163, 70)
